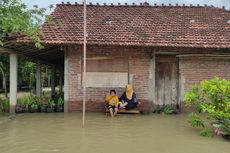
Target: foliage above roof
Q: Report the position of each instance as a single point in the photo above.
(16, 20)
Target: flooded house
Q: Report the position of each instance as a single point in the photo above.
(161, 50)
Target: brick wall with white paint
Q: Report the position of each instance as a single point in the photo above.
(140, 60)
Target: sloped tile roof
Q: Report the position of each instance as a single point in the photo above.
(174, 26)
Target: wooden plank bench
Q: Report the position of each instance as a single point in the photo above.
(123, 111)
(132, 111)
(143, 107)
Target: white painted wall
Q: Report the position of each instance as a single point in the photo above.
(106, 79)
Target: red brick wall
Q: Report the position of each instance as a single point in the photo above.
(95, 96)
(195, 69)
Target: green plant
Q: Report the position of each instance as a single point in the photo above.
(193, 98)
(22, 101)
(195, 121)
(51, 103)
(17, 18)
(34, 106)
(1, 105)
(206, 132)
(60, 101)
(6, 105)
(211, 97)
(169, 109)
(223, 125)
(31, 101)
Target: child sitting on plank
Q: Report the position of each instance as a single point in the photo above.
(112, 102)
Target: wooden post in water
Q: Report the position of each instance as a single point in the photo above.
(84, 68)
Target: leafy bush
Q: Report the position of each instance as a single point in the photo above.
(223, 125)
(17, 18)
(31, 101)
(51, 103)
(34, 106)
(6, 105)
(193, 99)
(169, 109)
(195, 121)
(60, 101)
(166, 109)
(211, 97)
(22, 101)
(206, 132)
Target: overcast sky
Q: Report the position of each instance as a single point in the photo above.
(218, 3)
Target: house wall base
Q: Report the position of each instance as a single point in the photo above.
(98, 106)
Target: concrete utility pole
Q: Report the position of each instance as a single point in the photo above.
(84, 67)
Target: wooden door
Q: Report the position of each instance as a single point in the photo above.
(166, 80)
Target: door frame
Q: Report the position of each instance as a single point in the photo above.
(157, 55)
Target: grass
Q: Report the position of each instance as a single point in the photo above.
(45, 93)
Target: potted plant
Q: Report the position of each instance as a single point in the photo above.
(21, 105)
(60, 105)
(33, 104)
(34, 108)
(44, 105)
(51, 106)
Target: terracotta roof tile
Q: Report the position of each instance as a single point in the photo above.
(177, 26)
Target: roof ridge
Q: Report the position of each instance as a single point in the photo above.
(145, 4)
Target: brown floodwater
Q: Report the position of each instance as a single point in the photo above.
(63, 133)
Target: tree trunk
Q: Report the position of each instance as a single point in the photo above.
(30, 82)
(48, 80)
(4, 81)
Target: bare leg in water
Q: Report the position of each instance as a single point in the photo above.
(115, 111)
(111, 112)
